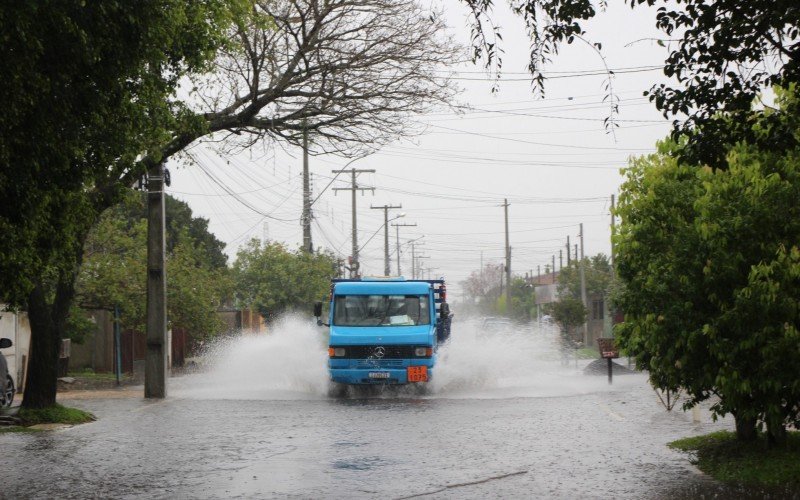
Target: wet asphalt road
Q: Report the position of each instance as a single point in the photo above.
(605, 443)
(503, 418)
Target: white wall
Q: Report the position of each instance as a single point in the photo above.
(17, 328)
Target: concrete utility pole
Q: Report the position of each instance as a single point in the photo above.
(386, 268)
(560, 260)
(583, 289)
(418, 274)
(569, 251)
(554, 268)
(354, 266)
(397, 234)
(306, 219)
(155, 372)
(613, 232)
(508, 259)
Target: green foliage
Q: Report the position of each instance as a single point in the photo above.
(523, 300)
(79, 325)
(722, 54)
(724, 458)
(85, 90)
(115, 265)
(597, 273)
(55, 414)
(569, 313)
(711, 267)
(275, 280)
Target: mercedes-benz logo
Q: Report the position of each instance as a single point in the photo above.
(379, 352)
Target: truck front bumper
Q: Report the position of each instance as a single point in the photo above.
(377, 375)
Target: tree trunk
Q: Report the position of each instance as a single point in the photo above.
(48, 322)
(776, 434)
(40, 386)
(745, 428)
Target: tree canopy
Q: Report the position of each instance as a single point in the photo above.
(709, 264)
(722, 53)
(114, 269)
(275, 280)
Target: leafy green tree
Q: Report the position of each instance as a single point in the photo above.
(84, 90)
(569, 313)
(275, 280)
(723, 53)
(115, 264)
(523, 300)
(709, 263)
(660, 263)
(597, 274)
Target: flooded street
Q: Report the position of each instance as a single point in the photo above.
(504, 419)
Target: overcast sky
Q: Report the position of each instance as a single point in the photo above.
(552, 158)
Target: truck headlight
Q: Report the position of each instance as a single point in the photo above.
(422, 352)
(336, 352)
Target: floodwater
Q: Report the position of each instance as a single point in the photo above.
(504, 418)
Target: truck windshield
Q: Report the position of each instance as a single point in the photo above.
(381, 310)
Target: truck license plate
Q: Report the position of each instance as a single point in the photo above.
(417, 373)
(378, 374)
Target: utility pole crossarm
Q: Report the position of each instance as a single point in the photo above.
(354, 267)
(386, 270)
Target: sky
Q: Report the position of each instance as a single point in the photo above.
(551, 157)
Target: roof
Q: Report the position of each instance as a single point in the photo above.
(382, 288)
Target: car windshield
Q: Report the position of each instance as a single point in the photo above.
(381, 310)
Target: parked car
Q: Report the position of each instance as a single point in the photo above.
(491, 325)
(7, 389)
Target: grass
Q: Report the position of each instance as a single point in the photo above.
(588, 353)
(55, 414)
(724, 458)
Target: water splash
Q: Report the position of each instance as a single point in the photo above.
(290, 362)
(523, 362)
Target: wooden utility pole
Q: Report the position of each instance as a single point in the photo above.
(155, 372)
(306, 219)
(354, 265)
(397, 234)
(386, 268)
(508, 260)
(569, 251)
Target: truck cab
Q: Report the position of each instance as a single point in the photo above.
(385, 330)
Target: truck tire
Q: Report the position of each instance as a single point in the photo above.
(337, 390)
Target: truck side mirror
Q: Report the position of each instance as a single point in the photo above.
(317, 309)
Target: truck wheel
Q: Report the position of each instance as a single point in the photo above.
(337, 390)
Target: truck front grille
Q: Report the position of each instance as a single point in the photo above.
(378, 352)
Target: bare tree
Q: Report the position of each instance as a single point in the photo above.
(351, 72)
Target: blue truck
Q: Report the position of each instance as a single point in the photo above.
(385, 330)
